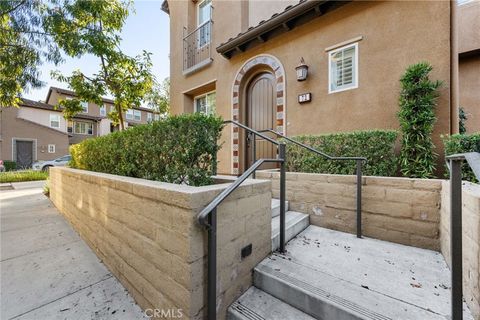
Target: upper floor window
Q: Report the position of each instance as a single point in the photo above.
(83, 128)
(460, 2)
(103, 111)
(149, 117)
(205, 103)
(157, 117)
(129, 114)
(84, 105)
(204, 15)
(55, 121)
(137, 115)
(343, 68)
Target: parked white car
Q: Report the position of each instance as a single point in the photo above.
(45, 165)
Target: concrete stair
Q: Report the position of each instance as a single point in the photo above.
(295, 222)
(256, 304)
(331, 275)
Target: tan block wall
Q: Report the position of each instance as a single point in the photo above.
(146, 233)
(470, 240)
(400, 210)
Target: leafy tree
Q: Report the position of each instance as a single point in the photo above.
(418, 99)
(462, 118)
(93, 28)
(24, 46)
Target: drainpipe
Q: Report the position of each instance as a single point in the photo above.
(454, 87)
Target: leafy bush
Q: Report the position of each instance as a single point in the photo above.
(20, 176)
(418, 99)
(461, 143)
(378, 146)
(10, 165)
(179, 149)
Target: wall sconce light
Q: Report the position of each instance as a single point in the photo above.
(302, 70)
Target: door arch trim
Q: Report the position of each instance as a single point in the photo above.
(276, 67)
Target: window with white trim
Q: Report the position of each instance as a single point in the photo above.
(103, 111)
(156, 117)
(51, 148)
(129, 114)
(137, 115)
(149, 117)
(83, 128)
(55, 121)
(204, 15)
(84, 105)
(205, 103)
(343, 68)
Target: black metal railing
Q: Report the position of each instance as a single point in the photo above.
(455, 165)
(208, 216)
(197, 46)
(359, 161)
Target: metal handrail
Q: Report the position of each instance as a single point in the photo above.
(208, 216)
(455, 161)
(359, 161)
(202, 217)
(329, 157)
(198, 28)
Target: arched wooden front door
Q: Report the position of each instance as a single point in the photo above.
(260, 116)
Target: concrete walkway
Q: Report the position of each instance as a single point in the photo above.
(47, 271)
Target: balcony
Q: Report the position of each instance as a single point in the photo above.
(197, 45)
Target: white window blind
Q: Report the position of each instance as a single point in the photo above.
(343, 68)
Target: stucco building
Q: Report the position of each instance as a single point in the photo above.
(239, 59)
(38, 131)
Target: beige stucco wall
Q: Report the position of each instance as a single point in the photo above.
(12, 127)
(470, 240)
(147, 234)
(400, 210)
(395, 35)
(468, 17)
(469, 83)
(42, 117)
(259, 10)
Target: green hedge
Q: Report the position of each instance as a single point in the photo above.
(10, 165)
(179, 149)
(378, 146)
(460, 143)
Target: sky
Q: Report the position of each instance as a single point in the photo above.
(145, 29)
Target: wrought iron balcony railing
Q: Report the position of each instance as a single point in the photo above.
(197, 47)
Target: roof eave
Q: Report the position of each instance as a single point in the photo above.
(280, 21)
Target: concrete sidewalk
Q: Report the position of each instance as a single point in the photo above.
(47, 271)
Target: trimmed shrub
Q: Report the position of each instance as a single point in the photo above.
(378, 146)
(179, 149)
(418, 99)
(10, 165)
(461, 143)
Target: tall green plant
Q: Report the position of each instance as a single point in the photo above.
(462, 119)
(418, 99)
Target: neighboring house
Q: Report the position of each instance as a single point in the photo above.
(26, 135)
(239, 59)
(93, 121)
(468, 19)
(38, 131)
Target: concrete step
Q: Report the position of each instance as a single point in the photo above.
(256, 304)
(276, 207)
(295, 222)
(333, 275)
